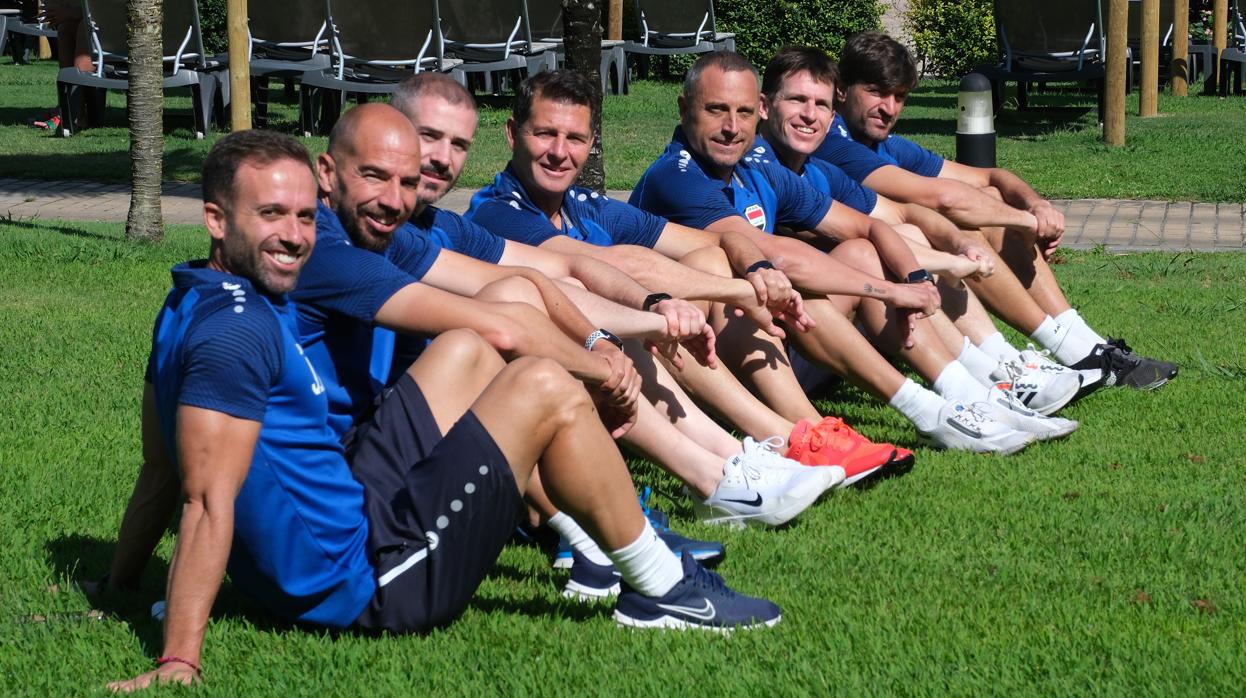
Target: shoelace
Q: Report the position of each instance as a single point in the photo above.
(973, 416)
(836, 435)
(766, 452)
(710, 581)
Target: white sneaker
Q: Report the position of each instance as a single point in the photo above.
(1038, 382)
(1005, 408)
(760, 486)
(971, 428)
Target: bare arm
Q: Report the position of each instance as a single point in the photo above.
(1016, 193)
(842, 222)
(597, 276)
(965, 204)
(214, 450)
(151, 505)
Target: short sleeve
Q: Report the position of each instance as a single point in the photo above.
(510, 220)
(799, 204)
(470, 239)
(845, 189)
(629, 225)
(344, 279)
(231, 361)
(913, 157)
(683, 196)
(856, 160)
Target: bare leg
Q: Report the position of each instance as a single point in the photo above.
(667, 396)
(1021, 255)
(837, 344)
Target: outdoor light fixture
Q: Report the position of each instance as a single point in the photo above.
(975, 122)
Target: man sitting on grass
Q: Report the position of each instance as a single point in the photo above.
(395, 529)
(876, 75)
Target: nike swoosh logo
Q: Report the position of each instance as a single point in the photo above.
(755, 502)
(706, 612)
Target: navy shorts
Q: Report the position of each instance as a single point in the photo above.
(439, 509)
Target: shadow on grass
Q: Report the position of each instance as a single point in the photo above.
(180, 164)
(66, 228)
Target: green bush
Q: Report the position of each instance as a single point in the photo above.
(761, 28)
(212, 21)
(952, 36)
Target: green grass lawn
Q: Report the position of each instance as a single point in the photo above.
(1111, 563)
(1194, 151)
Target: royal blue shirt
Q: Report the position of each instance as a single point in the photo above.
(340, 290)
(453, 232)
(505, 209)
(859, 161)
(829, 180)
(763, 192)
(300, 534)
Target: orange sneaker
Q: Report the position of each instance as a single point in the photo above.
(831, 442)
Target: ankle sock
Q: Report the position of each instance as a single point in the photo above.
(998, 348)
(955, 382)
(578, 538)
(1059, 339)
(647, 565)
(1078, 326)
(918, 405)
(979, 363)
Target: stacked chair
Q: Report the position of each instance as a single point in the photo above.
(547, 27)
(492, 38)
(186, 65)
(287, 39)
(673, 28)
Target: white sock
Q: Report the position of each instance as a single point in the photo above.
(1077, 325)
(979, 363)
(998, 347)
(1067, 347)
(578, 538)
(647, 564)
(955, 382)
(918, 405)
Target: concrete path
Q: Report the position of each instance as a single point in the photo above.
(1118, 225)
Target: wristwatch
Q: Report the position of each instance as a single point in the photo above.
(605, 334)
(653, 299)
(918, 277)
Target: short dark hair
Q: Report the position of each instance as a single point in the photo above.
(562, 85)
(250, 147)
(797, 59)
(873, 58)
(726, 61)
(434, 85)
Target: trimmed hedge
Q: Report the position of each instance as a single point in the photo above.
(761, 28)
(952, 36)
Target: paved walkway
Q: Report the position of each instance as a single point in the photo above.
(1118, 225)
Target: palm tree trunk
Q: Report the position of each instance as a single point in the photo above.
(582, 34)
(145, 107)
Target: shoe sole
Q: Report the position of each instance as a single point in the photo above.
(972, 448)
(772, 518)
(672, 623)
(708, 558)
(586, 594)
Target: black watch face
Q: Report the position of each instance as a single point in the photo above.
(919, 276)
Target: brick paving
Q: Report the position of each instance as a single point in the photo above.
(1118, 225)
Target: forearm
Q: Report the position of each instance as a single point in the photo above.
(816, 273)
(606, 282)
(941, 233)
(970, 208)
(892, 250)
(203, 542)
(659, 273)
(564, 314)
(741, 251)
(146, 517)
(530, 333)
(1014, 190)
(624, 322)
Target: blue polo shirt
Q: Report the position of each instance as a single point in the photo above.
(763, 192)
(452, 232)
(505, 208)
(339, 292)
(859, 161)
(221, 345)
(830, 180)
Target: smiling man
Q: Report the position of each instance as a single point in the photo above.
(877, 74)
(395, 530)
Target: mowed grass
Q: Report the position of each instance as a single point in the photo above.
(1110, 563)
(1193, 151)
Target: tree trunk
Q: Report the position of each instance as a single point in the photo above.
(582, 35)
(145, 108)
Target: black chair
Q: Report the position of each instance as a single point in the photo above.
(185, 63)
(672, 28)
(22, 20)
(545, 18)
(1233, 58)
(1052, 41)
(367, 59)
(492, 37)
(286, 40)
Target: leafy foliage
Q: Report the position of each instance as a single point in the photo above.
(761, 28)
(952, 36)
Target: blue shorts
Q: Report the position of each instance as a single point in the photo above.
(439, 509)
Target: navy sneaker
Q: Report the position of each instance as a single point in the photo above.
(708, 553)
(590, 581)
(701, 600)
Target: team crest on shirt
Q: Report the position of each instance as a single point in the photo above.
(756, 216)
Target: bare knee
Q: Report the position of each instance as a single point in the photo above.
(860, 255)
(711, 260)
(463, 352)
(513, 289)
(546, 387)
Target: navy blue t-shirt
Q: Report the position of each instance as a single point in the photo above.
(505, 209)
(763, 192)
(830, 180)
(859, 161)
(219, 344)
(339, 292)
(453, 232)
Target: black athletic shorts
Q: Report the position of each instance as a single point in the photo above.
(439, 509)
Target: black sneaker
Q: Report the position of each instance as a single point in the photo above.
(701, 600)
(1121, 366)
(589, 581)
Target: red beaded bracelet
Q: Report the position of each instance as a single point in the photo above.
(178, 660)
